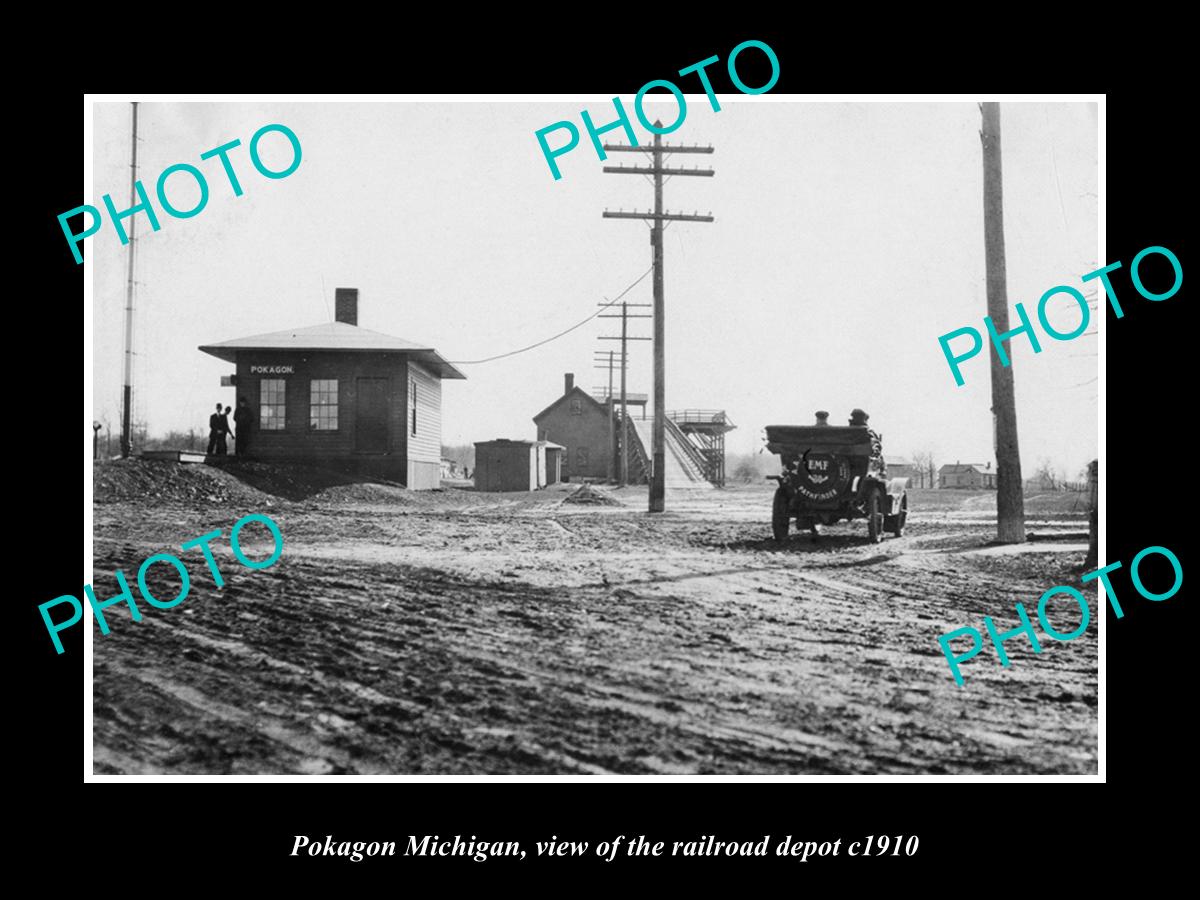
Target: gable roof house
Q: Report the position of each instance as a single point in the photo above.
(967, 475)
(581, 424)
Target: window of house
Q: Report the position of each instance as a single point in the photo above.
(272, 406)
(581, 457)
(323, 404)
(414, 406)
(576, 406)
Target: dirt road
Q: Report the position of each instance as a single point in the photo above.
(457, 632)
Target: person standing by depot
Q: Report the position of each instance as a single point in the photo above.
(224, 429)
(214, 431)
(244, 419)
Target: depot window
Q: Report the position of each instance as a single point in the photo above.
(323, 405)
(272, 406)
(414, 406)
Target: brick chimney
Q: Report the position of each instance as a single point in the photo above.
(345, 305)
(568, 382)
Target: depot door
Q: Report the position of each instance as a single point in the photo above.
(371, 416)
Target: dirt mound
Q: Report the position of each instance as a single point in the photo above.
(391, 494)
(161, 481)
(244, 482)
(587, 495)
(366, 493)
(288, 480)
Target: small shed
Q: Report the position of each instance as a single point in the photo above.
(507, 465)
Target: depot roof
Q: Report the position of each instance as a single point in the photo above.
(336, 336)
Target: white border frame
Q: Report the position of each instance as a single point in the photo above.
(88, 191)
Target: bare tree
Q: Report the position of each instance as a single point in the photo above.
(139, 433)
(107, 439)
(750, 468)
(925, 474)
(1049, 476)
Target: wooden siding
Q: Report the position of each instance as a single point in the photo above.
(413, 460)
(506, 467)
(425, 447)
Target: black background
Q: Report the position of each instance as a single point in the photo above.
(970, 832)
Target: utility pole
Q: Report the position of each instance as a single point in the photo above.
(623, 477)
(658, 217)
(608, 359)
(127, 395)
(1010, 500)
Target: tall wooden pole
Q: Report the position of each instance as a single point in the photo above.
(127, 394)
(611, 360)
(612, 424)
(608, 358)
(623, 462)
(658, 217)
(1010, 500)
(624, 479)
(658, 484)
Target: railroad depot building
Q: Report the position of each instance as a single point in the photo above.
(345, 397)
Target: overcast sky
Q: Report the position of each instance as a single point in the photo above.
(848, 237)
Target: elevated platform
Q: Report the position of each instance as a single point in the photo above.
(705, 421)
(706, 430)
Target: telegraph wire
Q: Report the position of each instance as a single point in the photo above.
(603, 306)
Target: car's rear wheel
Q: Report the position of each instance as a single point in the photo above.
(875, 516)
(780, 515)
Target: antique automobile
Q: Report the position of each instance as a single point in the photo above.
(832, 473)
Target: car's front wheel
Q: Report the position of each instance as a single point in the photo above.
(875, 516)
